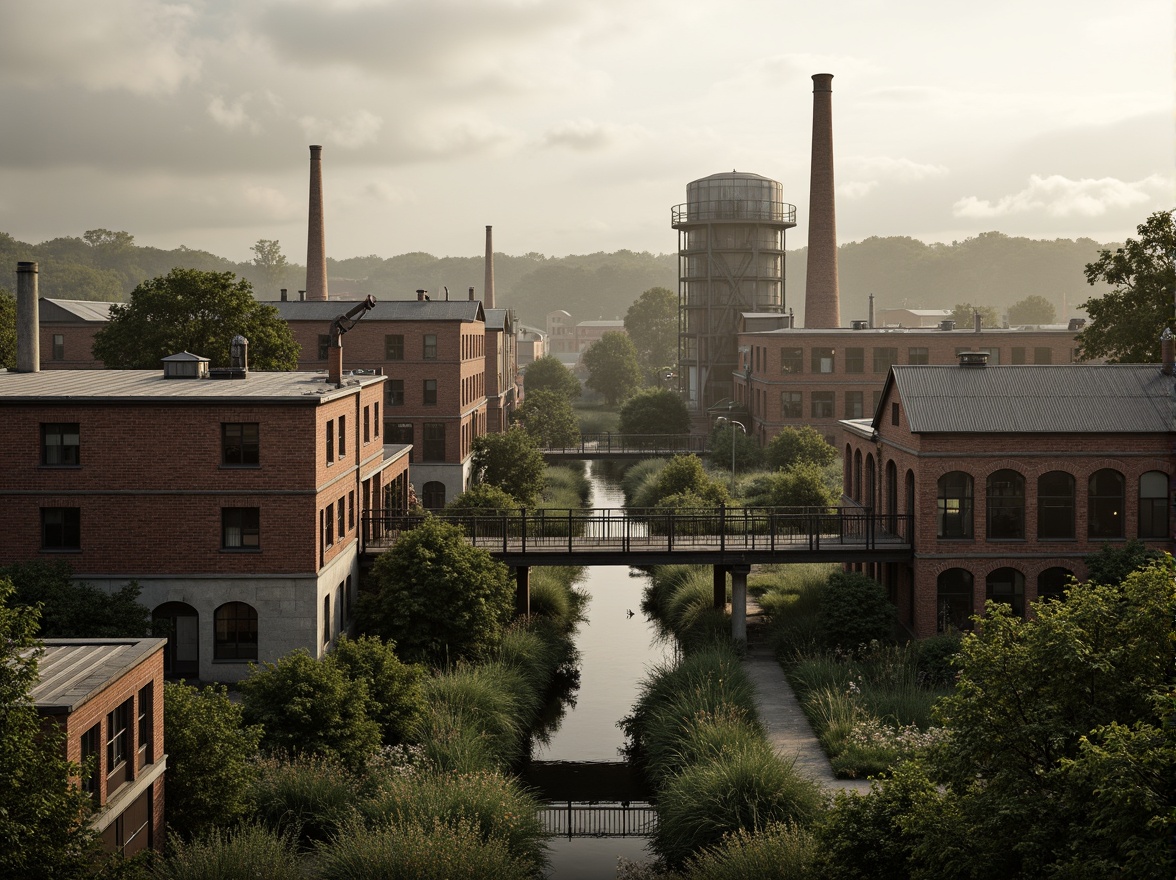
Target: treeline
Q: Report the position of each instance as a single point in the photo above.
(990, 269)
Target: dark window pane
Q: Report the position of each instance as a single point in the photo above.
(1006, 505)
(240, 443)
(855, 360)
(61, 528)
(1153, 505)
(241, 528)
(790, 405)
(955, 505)
(60, 444)
(1105, 504)
(1055, 505)
(393, 347)
(235, 632)
(791, 360)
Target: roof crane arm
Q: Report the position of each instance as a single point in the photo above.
(345, 322)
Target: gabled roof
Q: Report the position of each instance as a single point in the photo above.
(73, 671)
(384, 310)
(57, 310)
(498, 319)
(1033, 399)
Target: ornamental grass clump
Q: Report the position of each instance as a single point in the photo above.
(779, 850)
(249, 852)
(489, 700)
(307, 797)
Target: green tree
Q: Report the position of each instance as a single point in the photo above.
(70, 609)
(210, 759)
(655, 411)
(395, 689)
(548, 417)
(802, 485)
(7, 330)
(652, 324)
(1113, 562)
(512, 462)
(308, 706)
(439, 599)
(684, 475)
(748, 453)
(43, 833)
(548, 374)
(793, 446)
(964, 314)
(200, 312)
(1125, 324)
(1033, 309)
(853, 610)
(612, 367)
(268, 257)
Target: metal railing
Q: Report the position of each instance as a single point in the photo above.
(610, 443)
(578, 819)
(626, 530)
(740, 210)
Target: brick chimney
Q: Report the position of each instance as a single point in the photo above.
(316, 242)
(488, 296)
(28, 320)
(822, 308)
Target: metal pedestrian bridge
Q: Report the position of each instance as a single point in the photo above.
(609, 444)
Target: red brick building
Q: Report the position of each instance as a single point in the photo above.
(67, 333)
(502, 369)
(1012, 474)
(107, 695)
(791, 377)
(434, 355)
(235, 503)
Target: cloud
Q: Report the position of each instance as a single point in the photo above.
(586, 136)
(1061, 197)
(350, 131)
(138, 46)
(861, 175)
(272, 203)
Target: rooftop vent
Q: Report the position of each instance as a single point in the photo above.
(1076, 324)
(185, 365)
(973, 359)
(947, 325)
(859, 325)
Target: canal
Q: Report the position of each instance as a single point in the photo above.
(617, 646)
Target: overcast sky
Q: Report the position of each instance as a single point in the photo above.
(573, 126)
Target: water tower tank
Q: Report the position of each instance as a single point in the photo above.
(730, 261)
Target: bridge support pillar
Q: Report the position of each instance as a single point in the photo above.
(720, 587)
(522, 590)
(739, 602)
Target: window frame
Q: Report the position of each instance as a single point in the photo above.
(429, 444)
(247, 449)
(428, 392)
(791, 361)
(429, 347)
(240, 649)
(884, 357)
(791, 404)
(1005, 507)
(1101, 501)
(822, 404)
(58, 346)
(119, 734)
(855, 360)
(1154, 519)
(248, 522)
(395, 392)
(852, 411)
(918, 355)
(393, 346)
(68, 531)
(62, 431)
(821, 357)
(964, 514)
(1055, 508)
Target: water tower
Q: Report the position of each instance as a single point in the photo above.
(730, 260)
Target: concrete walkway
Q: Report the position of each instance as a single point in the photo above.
(787, 728)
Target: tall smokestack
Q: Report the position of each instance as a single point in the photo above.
(488, 296)
(822, 308)
(28, 323)
(316, 241)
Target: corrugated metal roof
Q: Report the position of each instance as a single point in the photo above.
(1031, 399)
(120, 385)
(72, 671)
(51, 310)
(384, 310)
(497, 318)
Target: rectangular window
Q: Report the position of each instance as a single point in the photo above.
(430, 392)
(1018, 355)
(393, 347)
(367, 424)
(331, 441)
(341, 515)
(351, 510)
(855, 360)
(240, 444)
(430, 346)
(143, 741)
(433, 440)
(241, 528)
(822, 360)
(118, 745)
(377, 418)
(853, 404)
(61, 528)
(91, 760)
(60, 444)
(326, 619)
(342, 436)
(330, 525)
(884, 359)
(822, 404)
(395, 392)
(58, 347)
(399, 432)
(1042, 355)
(917, 356)
(790, 404)
(791, 360)
(324, 343)
(894, 413)
(347, 598)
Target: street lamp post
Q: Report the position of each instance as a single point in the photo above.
(732, 423)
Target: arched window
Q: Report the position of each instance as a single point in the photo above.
(1153, 505)
(857, 475)
(1053, 583)
(1007, 585)
(910, 493)
(954, 600)
(326, 618)
(955, 505)
(1055, 505)
(1105, 504)
(236, 632)
(870, 499)
(891, 489)
(1006, 505)
(434, 495)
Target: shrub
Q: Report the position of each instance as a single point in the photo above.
(247, 853)
(853, 611)
(935, 658)
(637, 479)
(395, 696)
(655, 411)
(793, 446)
(307, 798)
(780, 850)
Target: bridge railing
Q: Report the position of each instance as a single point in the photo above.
(608, 442)
(722, 528)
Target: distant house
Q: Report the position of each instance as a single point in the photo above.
(107, 695)
(911, 317)
(68, 327)
(531, 345)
